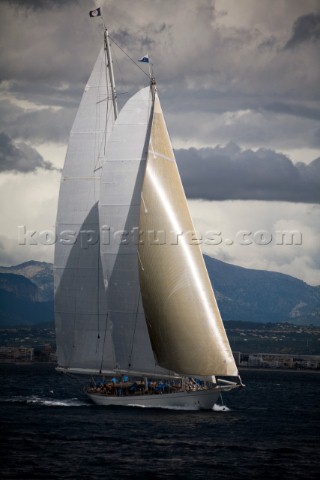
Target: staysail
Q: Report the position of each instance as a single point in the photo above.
(80, 304)
(119, 206)
(185, 326)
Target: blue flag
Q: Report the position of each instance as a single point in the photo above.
(144, 59)
(95, 13)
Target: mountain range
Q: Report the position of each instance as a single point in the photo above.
(26, 295)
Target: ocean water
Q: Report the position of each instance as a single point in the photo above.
(50, 431)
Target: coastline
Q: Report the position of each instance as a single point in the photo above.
(263, 369)
(241, 368)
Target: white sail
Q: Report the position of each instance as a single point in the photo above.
(183, 318)
(127, 299)
(119, 205)
(80, 304)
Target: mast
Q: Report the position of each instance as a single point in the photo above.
(110, 67)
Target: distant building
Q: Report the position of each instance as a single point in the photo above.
(16, 354)
(236, 356)
(255, 360)
(277, 360)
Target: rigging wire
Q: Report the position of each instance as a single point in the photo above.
(115, 60)
(104, 341)
(98, 303)
(107, 109)
(129, 57)
(134, 331)
(120, 76)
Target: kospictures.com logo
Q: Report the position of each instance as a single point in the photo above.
(107, 235)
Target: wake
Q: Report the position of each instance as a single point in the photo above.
(46, 401)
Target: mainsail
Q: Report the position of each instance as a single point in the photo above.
(80, 304)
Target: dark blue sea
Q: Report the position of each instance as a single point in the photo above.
(50, 431)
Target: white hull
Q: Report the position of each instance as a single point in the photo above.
(198, 400)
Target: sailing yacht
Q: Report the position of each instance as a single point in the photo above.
(134, 306)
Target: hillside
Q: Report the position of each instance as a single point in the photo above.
(19, 300)
(40, 274)
(262, 296)
(26, 295)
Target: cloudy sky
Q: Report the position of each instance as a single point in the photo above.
(239, 85)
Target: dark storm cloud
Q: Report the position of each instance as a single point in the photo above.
(293, 109)
(60, 95)
(20, 157)
(229, 173)
(38, 126)
(38, 4)
(147, 37)
(47, 46)
(201, 65)
(215, 101)
(268, 44)
(316, 139)
(124, 38)
(305, 29)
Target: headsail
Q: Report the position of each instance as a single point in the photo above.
(182, 315)
(80, 306)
